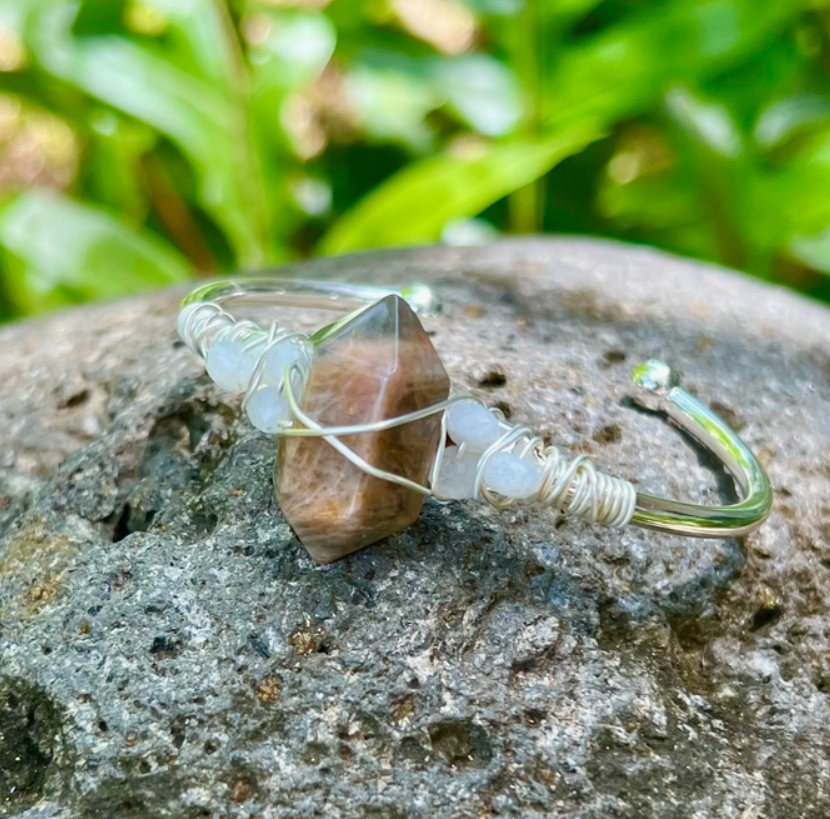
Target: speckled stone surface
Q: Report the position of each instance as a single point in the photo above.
(168, 649)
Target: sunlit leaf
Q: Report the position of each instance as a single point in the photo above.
(788, 117)
(57, 251)
(250, 128)
(708, 123)
(482, 91)
(448, 26)
(792, 200)
(814, 251)
(417, 203)
(293, 50)
(205, 29)
(391, 105)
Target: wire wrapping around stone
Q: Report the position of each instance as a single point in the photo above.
(201, 325)
(573, 488)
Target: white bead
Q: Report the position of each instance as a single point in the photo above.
(277, 360)
(512, 476)
(230, 366)
(266, 408)
(468, 422)
(457, 477)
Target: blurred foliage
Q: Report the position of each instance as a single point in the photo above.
(146, 141)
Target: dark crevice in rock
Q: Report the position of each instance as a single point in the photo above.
(13, 504)
(492, 378)
(535, 663)
(31, 744)
(166, 646)
(612, 357)
(124, 479)
(411, 750)
(202, 522)
(505, 408)
(130, 521)
(460, 742)
(609, 434)
(75, 399)
(259, 645)
(765, 616)
(183, 428)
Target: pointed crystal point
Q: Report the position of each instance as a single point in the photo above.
(376, 365)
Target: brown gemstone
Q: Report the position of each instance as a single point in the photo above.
(376, 365)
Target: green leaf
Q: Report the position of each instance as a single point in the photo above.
(570, 9)
(204, 31)
(99, 17)
(706, 122)
(205, 120)
(790, 117)
(295, 51)
(414, 205)
(814, 251)
(110, 171)
(57, 251)
(499, 8)
(482, 91)
(392, 106)
(792, 201)
(627, 67)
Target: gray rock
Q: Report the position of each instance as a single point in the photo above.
(169, 650)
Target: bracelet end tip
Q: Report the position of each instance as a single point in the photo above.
(651, 381)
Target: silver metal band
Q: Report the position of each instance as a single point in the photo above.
(312, 295)
(655, 387)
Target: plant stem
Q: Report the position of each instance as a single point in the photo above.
(175, 216)
(257, 252)
(527, 203)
